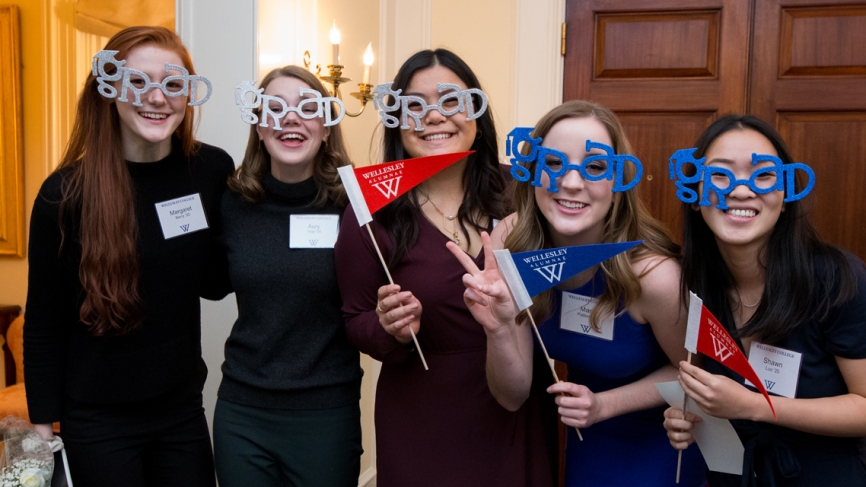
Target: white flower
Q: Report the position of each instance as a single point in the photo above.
(27, 472)
(33, 477)
(32, 443)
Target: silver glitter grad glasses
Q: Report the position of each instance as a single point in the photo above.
(183, 84)
(308, 108)
(416, 107)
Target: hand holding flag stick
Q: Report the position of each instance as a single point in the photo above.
(391, 281)
(685, 409)
(487, 289)
(525, 274)
(382, 184)
(707, 335)
(694, 317)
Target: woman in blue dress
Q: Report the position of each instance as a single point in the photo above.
(761, 269)
(629, 340)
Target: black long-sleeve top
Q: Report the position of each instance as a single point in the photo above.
(288, 348)
(61, 356)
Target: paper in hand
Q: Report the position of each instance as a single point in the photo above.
(719, 443)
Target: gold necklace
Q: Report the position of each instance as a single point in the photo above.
(454, 237)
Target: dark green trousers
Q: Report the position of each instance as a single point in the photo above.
(258, 447)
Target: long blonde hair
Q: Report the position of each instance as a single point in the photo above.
(627, 220)
(249, 176)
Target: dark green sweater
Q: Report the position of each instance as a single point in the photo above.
(288, 348)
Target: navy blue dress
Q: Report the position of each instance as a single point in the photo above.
(631, 449)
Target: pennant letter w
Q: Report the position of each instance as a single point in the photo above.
(720, 350)
(389, 187)
(551, 272)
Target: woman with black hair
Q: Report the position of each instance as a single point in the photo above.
(442, 426)
(783, 294)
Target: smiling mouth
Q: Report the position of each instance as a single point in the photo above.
(298, 137)
(154, 116)
(436, 137)
(571, 205)
(741, 213)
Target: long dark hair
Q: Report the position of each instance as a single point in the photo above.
(99, 184)
(796, 290)
(483, 182)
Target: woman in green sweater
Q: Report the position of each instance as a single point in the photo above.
(288, 411)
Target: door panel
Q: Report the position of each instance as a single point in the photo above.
(833, 144)
(823, 41)
(808, 78)
(652, 134)
(638, 44)
(697, 49)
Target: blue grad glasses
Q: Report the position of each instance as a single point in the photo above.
(609, 166)
(722, 181)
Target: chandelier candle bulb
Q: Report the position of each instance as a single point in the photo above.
(334, 36)
(368, 61)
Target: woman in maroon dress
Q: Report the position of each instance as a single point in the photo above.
(438, 427)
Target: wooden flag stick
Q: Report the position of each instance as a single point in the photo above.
(685, 406)
(550, 363)
(391, 280)
(543, 348)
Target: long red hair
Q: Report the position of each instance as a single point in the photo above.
(99, 184)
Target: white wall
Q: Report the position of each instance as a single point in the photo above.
(513, 46)
(358, 21)
(220, 35)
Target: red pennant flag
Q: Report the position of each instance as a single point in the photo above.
(372, 187)
(707, 335)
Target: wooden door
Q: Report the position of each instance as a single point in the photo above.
(667, 68)
(808, 78)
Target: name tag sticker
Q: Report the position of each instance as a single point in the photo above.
(313, 231)
(574, 316)
(181, 216)
(777, 367)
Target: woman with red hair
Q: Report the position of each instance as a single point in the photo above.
(122, 245)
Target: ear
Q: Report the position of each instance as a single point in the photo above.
(327, 133)
(259, 131)
(696, 207)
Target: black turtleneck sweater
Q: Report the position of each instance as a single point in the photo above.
(61, 357)
(288, 348)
